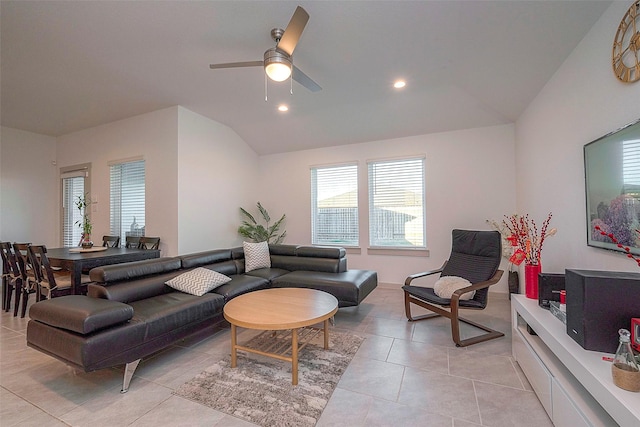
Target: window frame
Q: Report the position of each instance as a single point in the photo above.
(121, 230)
(79, 170)
(314, 204)
(404, 250)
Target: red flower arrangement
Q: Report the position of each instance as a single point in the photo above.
(626, 249)
(524, 235)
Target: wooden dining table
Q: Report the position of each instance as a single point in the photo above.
(76, 260)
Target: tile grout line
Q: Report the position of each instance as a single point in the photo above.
(475, 394)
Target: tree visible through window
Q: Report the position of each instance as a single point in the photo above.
(334, 205)
(396, 203)
(127, 199)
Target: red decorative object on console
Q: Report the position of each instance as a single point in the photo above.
(635, 333)
(531, 272)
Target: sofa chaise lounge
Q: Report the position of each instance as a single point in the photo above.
(129, 312)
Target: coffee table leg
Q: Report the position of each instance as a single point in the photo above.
(294, 356)
(326, 334)
(234, 342)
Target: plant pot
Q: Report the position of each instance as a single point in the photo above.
(86, 242)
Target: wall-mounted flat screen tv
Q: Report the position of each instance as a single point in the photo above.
(612, 178)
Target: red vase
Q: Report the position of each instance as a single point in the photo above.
(531, 272)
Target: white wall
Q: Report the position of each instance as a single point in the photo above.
(583, 101)
(153, 136)
(469, 178)
(198, 173)
(29, 206)
(470, 174)
(217, 173)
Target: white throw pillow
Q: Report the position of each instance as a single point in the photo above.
(198, 281)
(447, 285)
(256, 255)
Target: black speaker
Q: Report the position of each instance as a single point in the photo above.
(549, 285)
(598, 304)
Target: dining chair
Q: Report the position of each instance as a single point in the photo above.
(26, 284)
(149, 242)
(10, 276)
(132, 241)
(6, 274)
(111, 241)
(48, 282)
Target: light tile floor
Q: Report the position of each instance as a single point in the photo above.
(404, 374)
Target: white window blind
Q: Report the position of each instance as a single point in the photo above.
(631, 165)
(334, 205)
(396, 203)
(127, 199)
(72, 188)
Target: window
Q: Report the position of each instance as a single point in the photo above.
(73, 186)
(334, 205)
(631, 165)
(127, 199)
(396, 203)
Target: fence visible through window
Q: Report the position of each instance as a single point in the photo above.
(396, 203)
(334, 205)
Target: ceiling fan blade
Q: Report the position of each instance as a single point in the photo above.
(305, 80)
(293, 31)
(237, 64)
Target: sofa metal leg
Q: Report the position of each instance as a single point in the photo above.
(129, 369)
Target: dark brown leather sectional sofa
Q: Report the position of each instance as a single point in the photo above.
(130, 313)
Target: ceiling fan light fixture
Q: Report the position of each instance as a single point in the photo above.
(277, 64)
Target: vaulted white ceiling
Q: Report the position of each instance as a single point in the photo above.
(71, 65)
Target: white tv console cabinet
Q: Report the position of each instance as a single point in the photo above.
(574, 385)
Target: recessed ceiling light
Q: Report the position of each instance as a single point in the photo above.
(283, 108)
(399, 84)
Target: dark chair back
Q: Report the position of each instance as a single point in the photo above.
(10, 276)
(475, 256)
(9, 266)
(25, 285)
(45, 277)
(21, 251)
(10, 261)
(132, 241)
(149, 242)
(111, 241)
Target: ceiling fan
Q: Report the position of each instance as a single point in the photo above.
(278, 60)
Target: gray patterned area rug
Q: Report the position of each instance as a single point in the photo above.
(259, 389)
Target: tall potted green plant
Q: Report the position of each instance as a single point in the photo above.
(82, 203)
(257, 232)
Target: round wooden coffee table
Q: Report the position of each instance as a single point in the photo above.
(280, 309)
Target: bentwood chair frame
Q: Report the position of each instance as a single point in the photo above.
(475, 256)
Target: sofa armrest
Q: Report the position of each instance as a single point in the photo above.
(80, 313)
